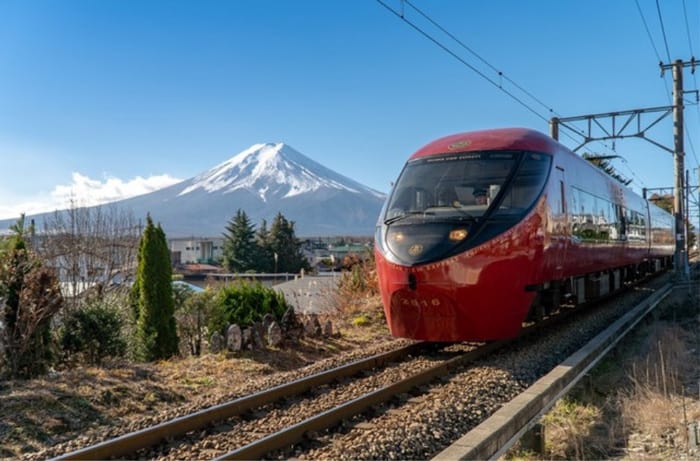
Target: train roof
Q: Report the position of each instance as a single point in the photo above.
(496, 139)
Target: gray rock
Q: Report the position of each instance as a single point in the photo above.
(216, 343)
(274, 335)
(234, 338)
(247, 338)
(328, 329)
(312, 327)
(292, 328)
(257, 336)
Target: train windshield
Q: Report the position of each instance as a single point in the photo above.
(442, 205)
(463, 186)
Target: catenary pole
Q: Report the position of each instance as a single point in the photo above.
(679, 168)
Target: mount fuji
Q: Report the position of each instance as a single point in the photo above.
(262, 180)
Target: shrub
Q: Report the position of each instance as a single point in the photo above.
(192, 316)
(361, 320)
(360, 279)
(244, 303)
(93, 332)
(29, 298)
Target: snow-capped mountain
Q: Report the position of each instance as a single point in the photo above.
(274, 170)
(262, 180)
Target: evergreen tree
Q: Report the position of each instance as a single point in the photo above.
(153, 294)
(265, 261)
(240, 250)
(284, 244)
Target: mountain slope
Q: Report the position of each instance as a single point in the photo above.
(262, 180)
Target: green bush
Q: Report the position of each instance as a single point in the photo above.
(93, 332)
(192, 316)
(244, 303)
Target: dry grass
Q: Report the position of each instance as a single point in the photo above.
(657, 407)
(637, 403)
(575, 425)
(39, 413)
(357, 300)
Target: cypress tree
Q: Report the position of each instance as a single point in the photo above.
(153, 294)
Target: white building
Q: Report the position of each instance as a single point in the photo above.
(189, 250)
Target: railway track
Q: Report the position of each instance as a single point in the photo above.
(296, 433)
(361, 385)
(271, 421)
(130, 443)
(492, 438)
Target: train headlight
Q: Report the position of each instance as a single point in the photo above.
(397, 237)
(457, 235)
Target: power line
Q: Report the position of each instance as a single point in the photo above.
(664, 82)
(687, 28)
(690, 48)
(646, 27)
(454, 55)
(663, 30)
(463, 45)
(634, 175)
(401, 15)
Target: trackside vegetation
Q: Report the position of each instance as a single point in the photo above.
(96, 287)
(244, 303)
(29, 298)
(152, 295)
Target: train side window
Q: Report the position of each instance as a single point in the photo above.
(562, 208)
(622, 222)
(526, 186)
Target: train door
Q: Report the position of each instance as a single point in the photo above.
(560, 227)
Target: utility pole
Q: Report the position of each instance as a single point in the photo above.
(628, 124)
(686, 222)
(681, 255)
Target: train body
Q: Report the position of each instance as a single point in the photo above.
(485, 229)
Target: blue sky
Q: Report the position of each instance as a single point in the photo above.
(116, 97)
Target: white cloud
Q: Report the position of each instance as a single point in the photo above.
(85, 191)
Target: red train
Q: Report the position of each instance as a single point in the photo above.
(487, 229)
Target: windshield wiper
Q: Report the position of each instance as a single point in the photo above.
(406, 215)
(462, 213)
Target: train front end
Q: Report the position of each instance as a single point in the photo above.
(458, 241)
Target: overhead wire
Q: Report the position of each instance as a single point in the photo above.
(695, 81)
(646, 27)
(492, 67)
(663, 30)
(480, 58)
(402, 16)
(687, 28)
(665, 81)
(457, 57)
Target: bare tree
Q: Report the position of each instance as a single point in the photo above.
(92, 249)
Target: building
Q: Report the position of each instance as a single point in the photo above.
(202, 250)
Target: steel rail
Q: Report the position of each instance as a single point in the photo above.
(494, 436)
(329, 418)
(132, 442)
